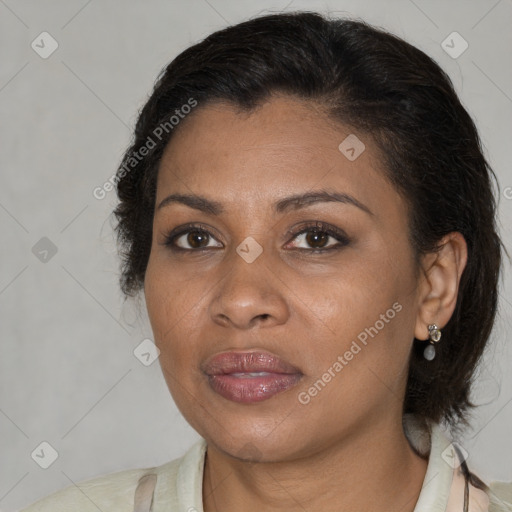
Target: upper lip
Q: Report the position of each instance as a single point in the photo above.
(246, 362)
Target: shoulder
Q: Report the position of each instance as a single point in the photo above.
(109, 492)
(500, 496)
(113, 492)
(445, 487)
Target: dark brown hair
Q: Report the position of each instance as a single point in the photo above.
(383, 87)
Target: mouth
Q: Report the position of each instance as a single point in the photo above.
(249, 377)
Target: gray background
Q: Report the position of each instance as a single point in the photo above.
(67, 369)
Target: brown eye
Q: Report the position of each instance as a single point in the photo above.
(190, 238)
(317, 239)
(197, 239)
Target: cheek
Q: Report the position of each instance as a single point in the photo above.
(177, 305)
(365, 312)
(170, 300)
(360, 289)
(172, 304)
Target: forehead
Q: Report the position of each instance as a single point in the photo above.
(280, 126)
(284, 146)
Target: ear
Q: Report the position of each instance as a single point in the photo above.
(439, 283)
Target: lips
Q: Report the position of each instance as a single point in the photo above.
(248, 377)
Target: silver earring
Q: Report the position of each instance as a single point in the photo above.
(434, 335)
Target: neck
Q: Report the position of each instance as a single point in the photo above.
(373, 469)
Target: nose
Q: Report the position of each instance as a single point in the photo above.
(249, 294)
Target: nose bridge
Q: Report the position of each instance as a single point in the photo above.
(248, 292)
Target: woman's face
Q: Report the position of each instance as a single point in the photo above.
(331, 330)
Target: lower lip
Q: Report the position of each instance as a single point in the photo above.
(247, 389)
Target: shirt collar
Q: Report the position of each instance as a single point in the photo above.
(437, 483)
(432, 442)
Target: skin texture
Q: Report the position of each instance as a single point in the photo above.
(345, 449)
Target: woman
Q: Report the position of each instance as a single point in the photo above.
(309, 215)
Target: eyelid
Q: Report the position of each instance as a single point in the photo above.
(323, 227)
(305, 227)
(171, 237)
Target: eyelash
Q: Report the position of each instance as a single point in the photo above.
(316, 226)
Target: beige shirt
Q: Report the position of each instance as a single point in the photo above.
(177, 485)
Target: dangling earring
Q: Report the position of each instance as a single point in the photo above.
(434, 335)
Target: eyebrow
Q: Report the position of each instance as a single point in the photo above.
(294, 202)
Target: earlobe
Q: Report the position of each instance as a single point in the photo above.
(439, 283)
